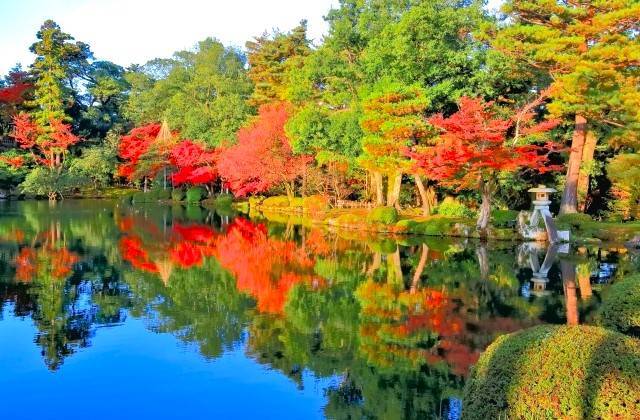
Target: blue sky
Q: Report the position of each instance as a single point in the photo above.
(135, 31)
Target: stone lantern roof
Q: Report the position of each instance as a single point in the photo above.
(542, 189)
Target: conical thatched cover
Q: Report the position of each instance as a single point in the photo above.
(164, 134)
(165, 268)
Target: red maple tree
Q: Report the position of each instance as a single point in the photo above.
(14, 94)
(133, 146)
(48, 145)
(194, 162)
(473, 148)
(262, 158)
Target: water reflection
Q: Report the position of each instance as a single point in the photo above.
(396, 323)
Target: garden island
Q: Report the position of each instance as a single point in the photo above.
(430, 212)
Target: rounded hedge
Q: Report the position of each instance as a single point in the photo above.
(162, 194)
(315, 203)
(454, 208)
(384, 215)
(620, 309)
(195, 195)
(277, 201)
(141, 197)
(556, 372)
(224, 200)
(573, 220)
(177, 194)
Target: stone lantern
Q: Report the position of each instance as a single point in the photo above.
(541, 211)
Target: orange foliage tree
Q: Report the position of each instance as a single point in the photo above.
(473, 148)
(262, 158)
(47, 145)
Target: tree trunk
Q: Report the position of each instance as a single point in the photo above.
(419, 269)
(568, 270)
(375, 263)
(427, 197)
(585, 168)
(485, 208)
(377, 180)
(483, 260)
(569, 203)
(394, 267)
(289, 190)
(584, 281)
(393, 189)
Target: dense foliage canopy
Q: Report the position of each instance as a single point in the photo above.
(376, 106)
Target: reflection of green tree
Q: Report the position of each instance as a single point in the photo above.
(199, 305)
(64, 320)
(70, 287)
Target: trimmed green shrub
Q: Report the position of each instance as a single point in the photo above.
(315, 203)
(224, 200)
(254, 202)
(504, 218)
(620, 309)
(384, 215)
(277, 201)
(434, 226)
(296, 202)
(573, 220)
(141, 197)
(194, 212)
(162, 194)
(453, 208)
(177, 194)
(552, 371)
(195, 195)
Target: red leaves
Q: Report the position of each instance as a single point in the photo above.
(25, 131)
(134, 145)
(16, 162)
(265, 268)
(32, 262)
(61, 138)
(263, 157)
(47, 143)
(14, 94)
(196, 164)
(474, 143)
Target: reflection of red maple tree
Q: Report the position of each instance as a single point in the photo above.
(56, 262)
(265, 268)
(395, 320)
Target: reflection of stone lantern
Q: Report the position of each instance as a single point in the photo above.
(541, 211)
(540, 276)
(539, 285)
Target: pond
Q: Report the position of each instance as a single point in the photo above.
(173, 312)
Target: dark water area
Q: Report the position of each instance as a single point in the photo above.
(108, 311)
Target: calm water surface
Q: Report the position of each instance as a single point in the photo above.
(108, 311)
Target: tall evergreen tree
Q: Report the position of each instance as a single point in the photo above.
(57, 59)
(269, 59)
(591, 50)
